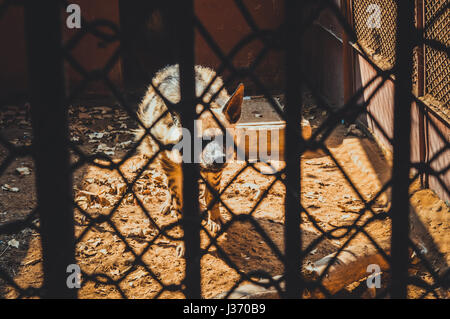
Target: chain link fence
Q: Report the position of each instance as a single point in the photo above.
(381, 40)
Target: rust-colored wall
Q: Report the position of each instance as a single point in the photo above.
(382, 104)
(222, 19)
(322, 63)
(91, 52)
(227, 26)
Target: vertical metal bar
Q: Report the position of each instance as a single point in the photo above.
(401, 145)
(294, 139)
(191, 174)
(50, 144)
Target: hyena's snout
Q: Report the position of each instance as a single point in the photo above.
(213, 156)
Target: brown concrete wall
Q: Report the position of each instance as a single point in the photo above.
(323, 59)
(13, 61)
(91, 52)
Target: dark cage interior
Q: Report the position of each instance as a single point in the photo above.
(147, 40)
(338, 183)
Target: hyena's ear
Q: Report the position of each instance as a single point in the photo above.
(233, 108)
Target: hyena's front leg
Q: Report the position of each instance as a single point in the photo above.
(173, 203)
(214, 218)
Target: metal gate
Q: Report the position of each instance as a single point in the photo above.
(51, 147)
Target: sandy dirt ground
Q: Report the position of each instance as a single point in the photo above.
(101, 250)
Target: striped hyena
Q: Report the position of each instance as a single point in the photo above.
(227, 110)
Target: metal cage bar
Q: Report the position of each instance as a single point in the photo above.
(402, 149)
(191, 173)
(293, 111)
(50, 149)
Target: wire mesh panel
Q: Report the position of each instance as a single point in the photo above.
(437, 62)
(379, 36)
